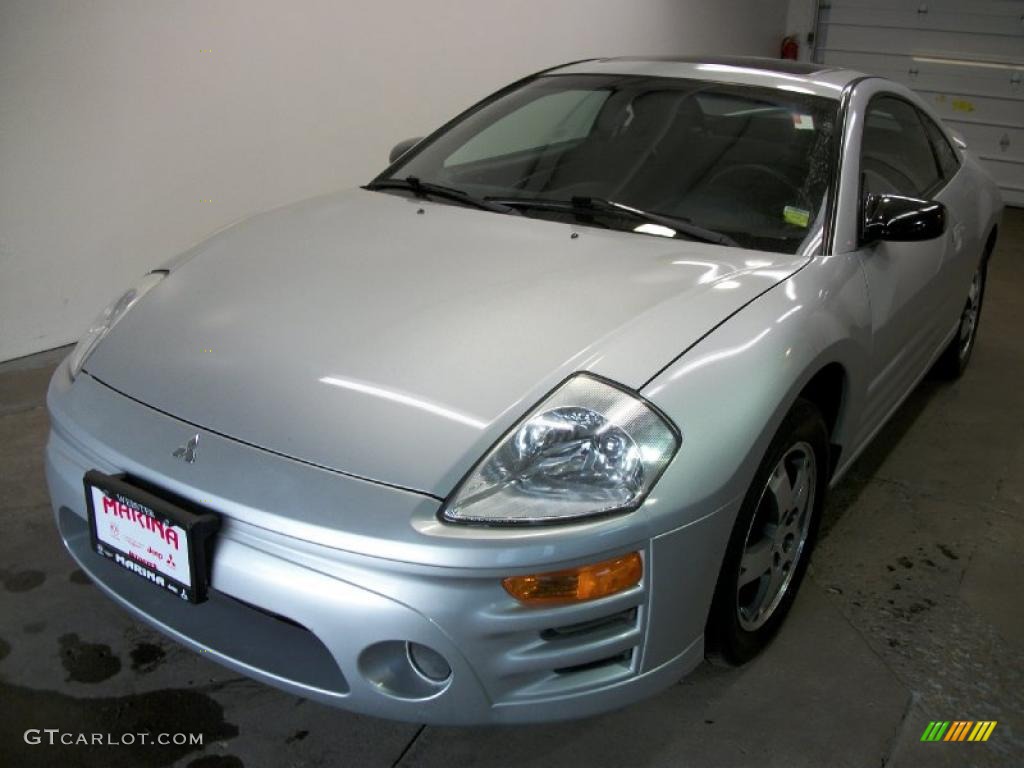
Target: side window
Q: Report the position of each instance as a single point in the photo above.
(550, 119)
(949, 161)
(896, 155)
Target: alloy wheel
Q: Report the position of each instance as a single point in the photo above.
(969, 319)
(777, 536)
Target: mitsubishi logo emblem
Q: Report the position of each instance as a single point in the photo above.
(188, 451)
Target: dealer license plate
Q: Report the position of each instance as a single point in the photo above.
(159, 541)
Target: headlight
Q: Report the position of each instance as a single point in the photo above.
(588, 449)
(109, 317)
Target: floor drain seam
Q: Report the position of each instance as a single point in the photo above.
(19, 411)
(408, 746)
(900, 730)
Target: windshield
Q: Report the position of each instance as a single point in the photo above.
(748, 162)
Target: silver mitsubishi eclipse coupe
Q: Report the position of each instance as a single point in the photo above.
(546, 412)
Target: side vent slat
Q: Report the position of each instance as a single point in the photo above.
(622, 619)
(622, 659)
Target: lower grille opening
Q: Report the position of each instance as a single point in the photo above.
(261, 640)
(271, 614)
(623, 659)
(623, 619)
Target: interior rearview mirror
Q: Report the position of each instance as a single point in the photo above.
(901, 219)
(402, 147)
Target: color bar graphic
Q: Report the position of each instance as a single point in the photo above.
(958, 730)
(982, 730)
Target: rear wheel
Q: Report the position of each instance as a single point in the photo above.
(772, 539)
(954, 359)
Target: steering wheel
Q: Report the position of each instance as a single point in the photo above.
(748, 173)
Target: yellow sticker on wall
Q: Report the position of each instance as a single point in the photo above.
(798, 217)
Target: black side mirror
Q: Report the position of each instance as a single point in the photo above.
(402, 147)
(901, 219)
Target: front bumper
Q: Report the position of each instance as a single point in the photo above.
(326, 613)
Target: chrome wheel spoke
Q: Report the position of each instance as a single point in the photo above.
(802, 489)
(775, 581)
(756, 562)
(781, 488)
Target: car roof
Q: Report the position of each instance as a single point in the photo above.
(818, 79)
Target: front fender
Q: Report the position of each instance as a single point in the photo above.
(729, 392)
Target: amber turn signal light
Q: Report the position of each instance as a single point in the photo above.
(587, 582)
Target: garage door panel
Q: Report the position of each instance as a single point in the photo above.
(922, 74)
(934, 82)
(1007, 9)
(992, 140)
(1014, 197)
(1001, 80)
(977, 109)
(843, 37)
(976, 80)
(1007, 176)
(910, 18)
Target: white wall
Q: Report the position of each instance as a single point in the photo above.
(131, 129)
(801, 20)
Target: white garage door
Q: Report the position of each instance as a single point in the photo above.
(966, 57)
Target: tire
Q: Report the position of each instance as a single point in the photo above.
(745, 611)
(954, 359)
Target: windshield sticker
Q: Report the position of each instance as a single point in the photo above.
(798, 217)
(803, 122)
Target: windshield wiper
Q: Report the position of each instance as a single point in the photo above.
(590, 205)
(429, 189)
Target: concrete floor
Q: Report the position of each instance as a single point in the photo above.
(912, 613)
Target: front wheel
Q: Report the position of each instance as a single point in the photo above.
(953, 361)
(772, 539)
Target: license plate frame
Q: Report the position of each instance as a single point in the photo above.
(164, 524)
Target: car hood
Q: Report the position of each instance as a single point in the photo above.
(395, 339)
